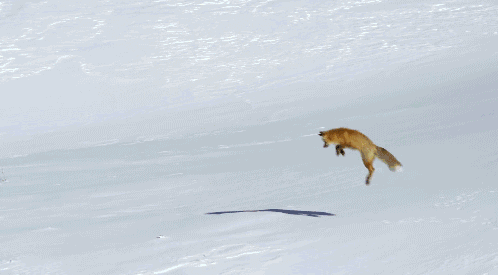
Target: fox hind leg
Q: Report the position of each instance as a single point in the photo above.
(368, 159)
(339, 150)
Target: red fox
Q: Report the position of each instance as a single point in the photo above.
(353, 139)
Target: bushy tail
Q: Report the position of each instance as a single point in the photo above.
(389, 159)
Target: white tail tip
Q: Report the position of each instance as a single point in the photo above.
(397, 168)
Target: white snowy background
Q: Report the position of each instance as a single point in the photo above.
(123, 124)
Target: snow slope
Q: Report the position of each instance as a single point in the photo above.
(138, 158)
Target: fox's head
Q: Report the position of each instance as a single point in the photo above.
(322, 135)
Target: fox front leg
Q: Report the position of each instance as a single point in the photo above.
(339, 150)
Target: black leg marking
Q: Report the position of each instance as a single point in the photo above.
(339, 150)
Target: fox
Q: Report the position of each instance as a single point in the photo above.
(353, 139)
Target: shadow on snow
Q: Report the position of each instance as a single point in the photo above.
(291, 212)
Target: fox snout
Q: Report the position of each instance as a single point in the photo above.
(325, 143)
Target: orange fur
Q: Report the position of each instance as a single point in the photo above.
(353, 139)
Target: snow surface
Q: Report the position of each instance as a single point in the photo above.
(180, 137)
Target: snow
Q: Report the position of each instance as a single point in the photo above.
(174, 137)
